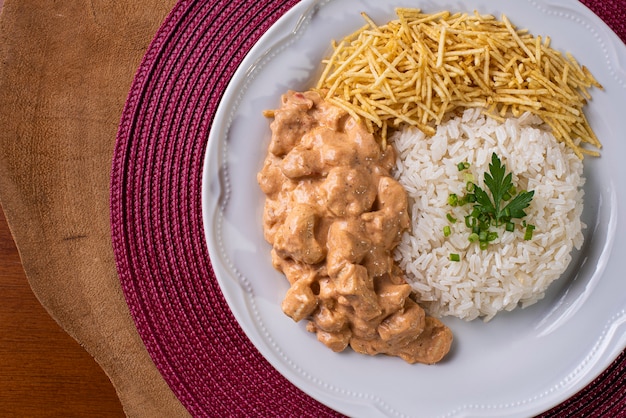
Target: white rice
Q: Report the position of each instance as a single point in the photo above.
(512, 271)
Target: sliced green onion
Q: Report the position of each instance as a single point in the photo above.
(453, 199)
(455, 257)
(483, 245)
(528, 234)
(473, 237)
(446, 231)
(491, 236)
(450, 218)
(510, 226)
(482, 236)
(506, 196)
(460, 166)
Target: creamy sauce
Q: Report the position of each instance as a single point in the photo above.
(333, 215)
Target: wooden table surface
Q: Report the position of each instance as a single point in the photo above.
(43, 371)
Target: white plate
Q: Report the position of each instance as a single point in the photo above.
(519, 364)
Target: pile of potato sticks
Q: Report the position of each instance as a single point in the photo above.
(416, 69)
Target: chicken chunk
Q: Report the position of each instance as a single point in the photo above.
(296, 237)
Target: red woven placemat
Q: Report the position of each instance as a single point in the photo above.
(158, 236)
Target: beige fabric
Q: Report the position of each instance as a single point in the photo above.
(65, 70)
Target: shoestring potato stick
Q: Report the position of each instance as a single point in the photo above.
(418, 68)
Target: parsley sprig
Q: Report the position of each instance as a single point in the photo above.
(500, 184)
(498, 205)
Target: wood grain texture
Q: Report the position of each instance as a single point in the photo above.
(43, 371)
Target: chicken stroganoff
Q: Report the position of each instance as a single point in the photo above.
(334, 214)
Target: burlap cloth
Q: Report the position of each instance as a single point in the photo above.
(66, 68)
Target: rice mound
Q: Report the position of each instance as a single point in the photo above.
(511, 271)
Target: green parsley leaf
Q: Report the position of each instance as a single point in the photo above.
(483, 202)
(500, 184)
(518, 204)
